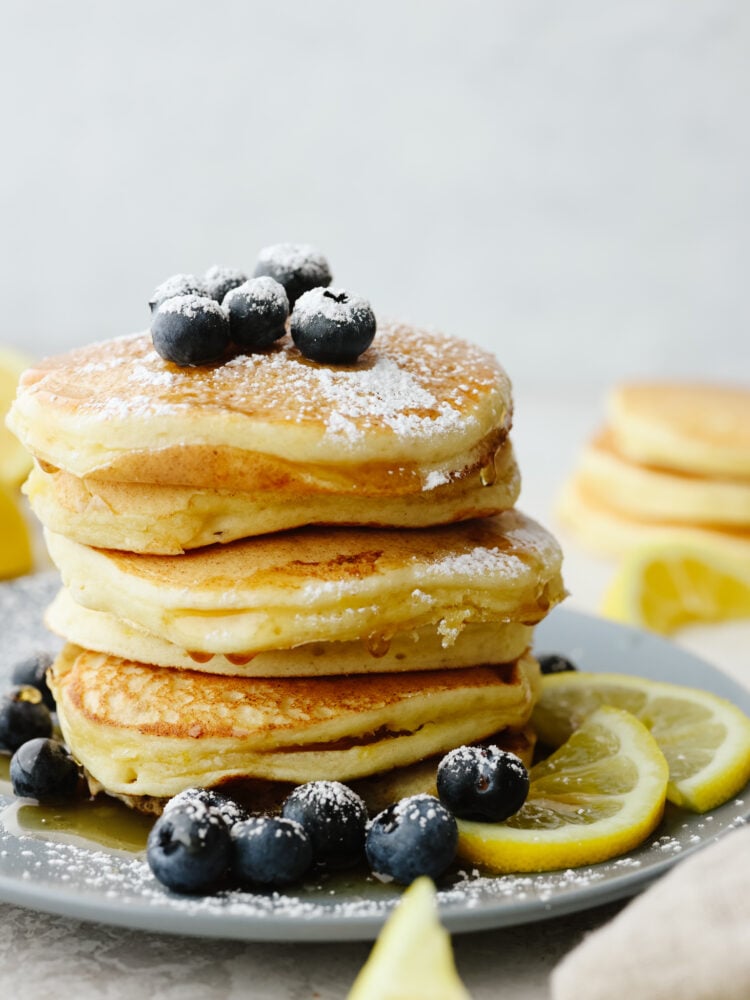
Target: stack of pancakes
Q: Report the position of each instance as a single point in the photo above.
(673, 460)
(277, 571)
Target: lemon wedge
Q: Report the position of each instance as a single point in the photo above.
(665, 586)
(412, 958)
(599, 795)
(15, 551)
(705, 739)
(15, 461)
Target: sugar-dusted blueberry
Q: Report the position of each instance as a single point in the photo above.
(231, 812)
(554, 663)
(189, 848)
(178, 284)
(270, 851)
(23, 717)
(32, 671)
(415, 836)
(258, 311)
(332, 325)
(297, 266)
(190, 330)
(334, 817)
(43, 769)
(482, 783)
(220, 280)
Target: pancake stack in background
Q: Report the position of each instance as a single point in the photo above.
(672, 462)
(277, 570)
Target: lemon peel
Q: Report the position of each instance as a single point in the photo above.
(412, 958)
(15, 551)
(705, 738)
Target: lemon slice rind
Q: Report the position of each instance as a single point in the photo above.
(675, 716)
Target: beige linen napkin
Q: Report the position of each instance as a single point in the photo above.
(686, 938)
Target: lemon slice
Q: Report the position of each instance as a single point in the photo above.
(15, 550)
(705, 739)
(15, 461)
(599, 795)
(412, 958)
(667, 585)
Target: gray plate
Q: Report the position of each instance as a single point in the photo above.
(79, 880)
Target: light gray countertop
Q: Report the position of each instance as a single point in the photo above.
(92, 960)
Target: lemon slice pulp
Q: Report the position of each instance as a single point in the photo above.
(599, 795)
(412, 958)
(15, 461)
(705, 739)
(663, 587)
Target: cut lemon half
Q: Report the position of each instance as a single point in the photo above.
(599, 795)
(705, 739)
(665, 586)
(15, 548)
(15, 461)
(412, 958)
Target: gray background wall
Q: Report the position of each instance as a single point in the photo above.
(564, 183)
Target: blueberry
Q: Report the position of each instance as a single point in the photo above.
(332, 326)
(43, 769)
(258, 311)
(23, 717)
(32, 672)
(334, 818)
(178, 284)
(220, 280)
(296, 266)
(270, 851)
(189, 848)
(413, 837)
(553, 663)
(229, 810)
(482, 783)
(190, 330)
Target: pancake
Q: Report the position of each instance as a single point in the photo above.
(313, 585)
(658, 494)
(696, 428)
(407, 651)
(610, 532)
(143, 517)
(416, 411)
(150, 731)
(377, 790)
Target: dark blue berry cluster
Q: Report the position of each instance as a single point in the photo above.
(325, 823)
(40, 767)
(200, 321)
(203, 840)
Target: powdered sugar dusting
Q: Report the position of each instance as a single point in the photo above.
(414, 385)
(190, 306)
(295, 258)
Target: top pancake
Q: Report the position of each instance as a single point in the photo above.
(695, 428)
(415, 411)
